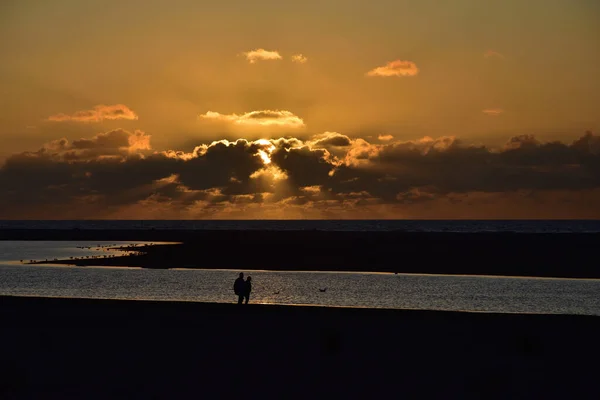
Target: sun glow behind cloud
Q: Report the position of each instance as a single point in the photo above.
(117, 172)
(265, 152)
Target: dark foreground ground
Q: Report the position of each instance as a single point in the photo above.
(571, 255)
(101, 349)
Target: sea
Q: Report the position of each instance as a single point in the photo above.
(490, 294)
(531, 226)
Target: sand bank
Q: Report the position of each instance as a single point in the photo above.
(569, 255)
(98, 349)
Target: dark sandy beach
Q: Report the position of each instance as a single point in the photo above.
(569, 255)
(99, 349)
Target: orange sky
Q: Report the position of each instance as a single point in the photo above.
(312, 109)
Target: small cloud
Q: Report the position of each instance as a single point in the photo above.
(329, 139)
(299, 58)
(395, 68)
(261, 55)
(258, 118)
(494, 112)
(492, 54)
(385, 138)
(98, 114)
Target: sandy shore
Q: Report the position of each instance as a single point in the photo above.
(98, 349)
(569, 255)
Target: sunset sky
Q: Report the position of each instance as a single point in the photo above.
(300, 109)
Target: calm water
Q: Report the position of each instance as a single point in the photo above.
(327, 225)
(436, 292)
(15, 251)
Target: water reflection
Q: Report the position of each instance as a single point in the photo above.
(487, 294)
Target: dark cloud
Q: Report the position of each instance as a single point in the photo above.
(304, 166)
(115, 174)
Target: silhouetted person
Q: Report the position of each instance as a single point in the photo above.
(239, 288)
(248, 288)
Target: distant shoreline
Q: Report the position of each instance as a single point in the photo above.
(307, 225)
(186, 235)
(557, 255)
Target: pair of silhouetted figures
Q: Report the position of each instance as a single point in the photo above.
(242, 288)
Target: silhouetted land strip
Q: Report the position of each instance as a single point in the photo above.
(98, 349)
(570, 255)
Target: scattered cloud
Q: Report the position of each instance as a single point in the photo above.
(493, 54)
(113, 144)
(493, 112)
(329, 139)
(385, 138)
(279, 118)
(117, 175)
(261, 55)
(98, 114)
(395, 68)
(299, 58)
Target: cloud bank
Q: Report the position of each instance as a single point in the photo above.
(117, 175)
